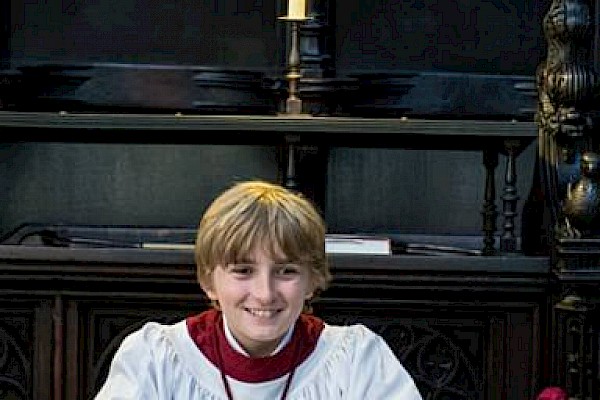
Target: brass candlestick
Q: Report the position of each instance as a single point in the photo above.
(293, 104)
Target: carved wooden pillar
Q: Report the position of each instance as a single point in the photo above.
(490, 161)
(59, 349)
(508, 240)
(568, 166)
(566, 114)
(576, 344)
(303, 168)
(290, 179)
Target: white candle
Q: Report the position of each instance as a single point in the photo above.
(297, 9)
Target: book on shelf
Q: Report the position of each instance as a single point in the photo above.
(167, 246)
(357, 244)
(334, 244)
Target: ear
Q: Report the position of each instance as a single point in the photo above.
(313, 286)
(208, 287)
(210, 293)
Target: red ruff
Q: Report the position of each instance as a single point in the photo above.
(204, 327)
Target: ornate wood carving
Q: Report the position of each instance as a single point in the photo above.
(566, 114)
(443, 366)
(105, 328)
(452, 343)
(577, 346)
(15, 358)
(568, 164)
(508, 241)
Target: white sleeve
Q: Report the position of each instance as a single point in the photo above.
(133, 373)
(377, 373)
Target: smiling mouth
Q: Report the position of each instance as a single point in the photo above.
(262, 313)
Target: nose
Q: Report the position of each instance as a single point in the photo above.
(264, 288)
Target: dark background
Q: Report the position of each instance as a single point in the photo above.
(383, 190)
(488, 36)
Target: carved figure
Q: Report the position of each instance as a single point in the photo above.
(582, 204)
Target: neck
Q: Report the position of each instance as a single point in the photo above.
(207, 331)
(266, 350)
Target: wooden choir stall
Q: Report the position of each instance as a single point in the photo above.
(464, 132)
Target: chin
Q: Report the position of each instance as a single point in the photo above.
(270, 335)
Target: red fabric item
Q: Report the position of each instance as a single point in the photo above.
(204, 328)
(553, 393)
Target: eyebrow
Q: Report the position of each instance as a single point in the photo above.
(245, 260)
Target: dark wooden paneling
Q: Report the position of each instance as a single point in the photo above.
(97, 326)
(422, 191)
(449, 351)
(124, 184)
(25, 349)
(5, 32)
(146, 182)
(464, 36)
(466, 327)
(144, 56)
(168, 32)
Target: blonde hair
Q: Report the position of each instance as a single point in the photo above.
(257, 213)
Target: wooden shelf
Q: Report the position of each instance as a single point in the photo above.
(457, 263)
(463, 134)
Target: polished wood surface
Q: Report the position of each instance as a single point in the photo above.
(207, 129)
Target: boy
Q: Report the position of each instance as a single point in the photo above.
(260, 256)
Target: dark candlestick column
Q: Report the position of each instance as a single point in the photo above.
(317, 42)
(321, 91)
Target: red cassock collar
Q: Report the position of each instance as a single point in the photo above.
(206, 330)
(552, 393)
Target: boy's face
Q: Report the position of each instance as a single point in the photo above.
(261, 298)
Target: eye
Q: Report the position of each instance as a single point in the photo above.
(288, 269)
(241, 269)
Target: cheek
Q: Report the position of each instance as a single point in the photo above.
(298, 291)
(228, 290)
(217, 288)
